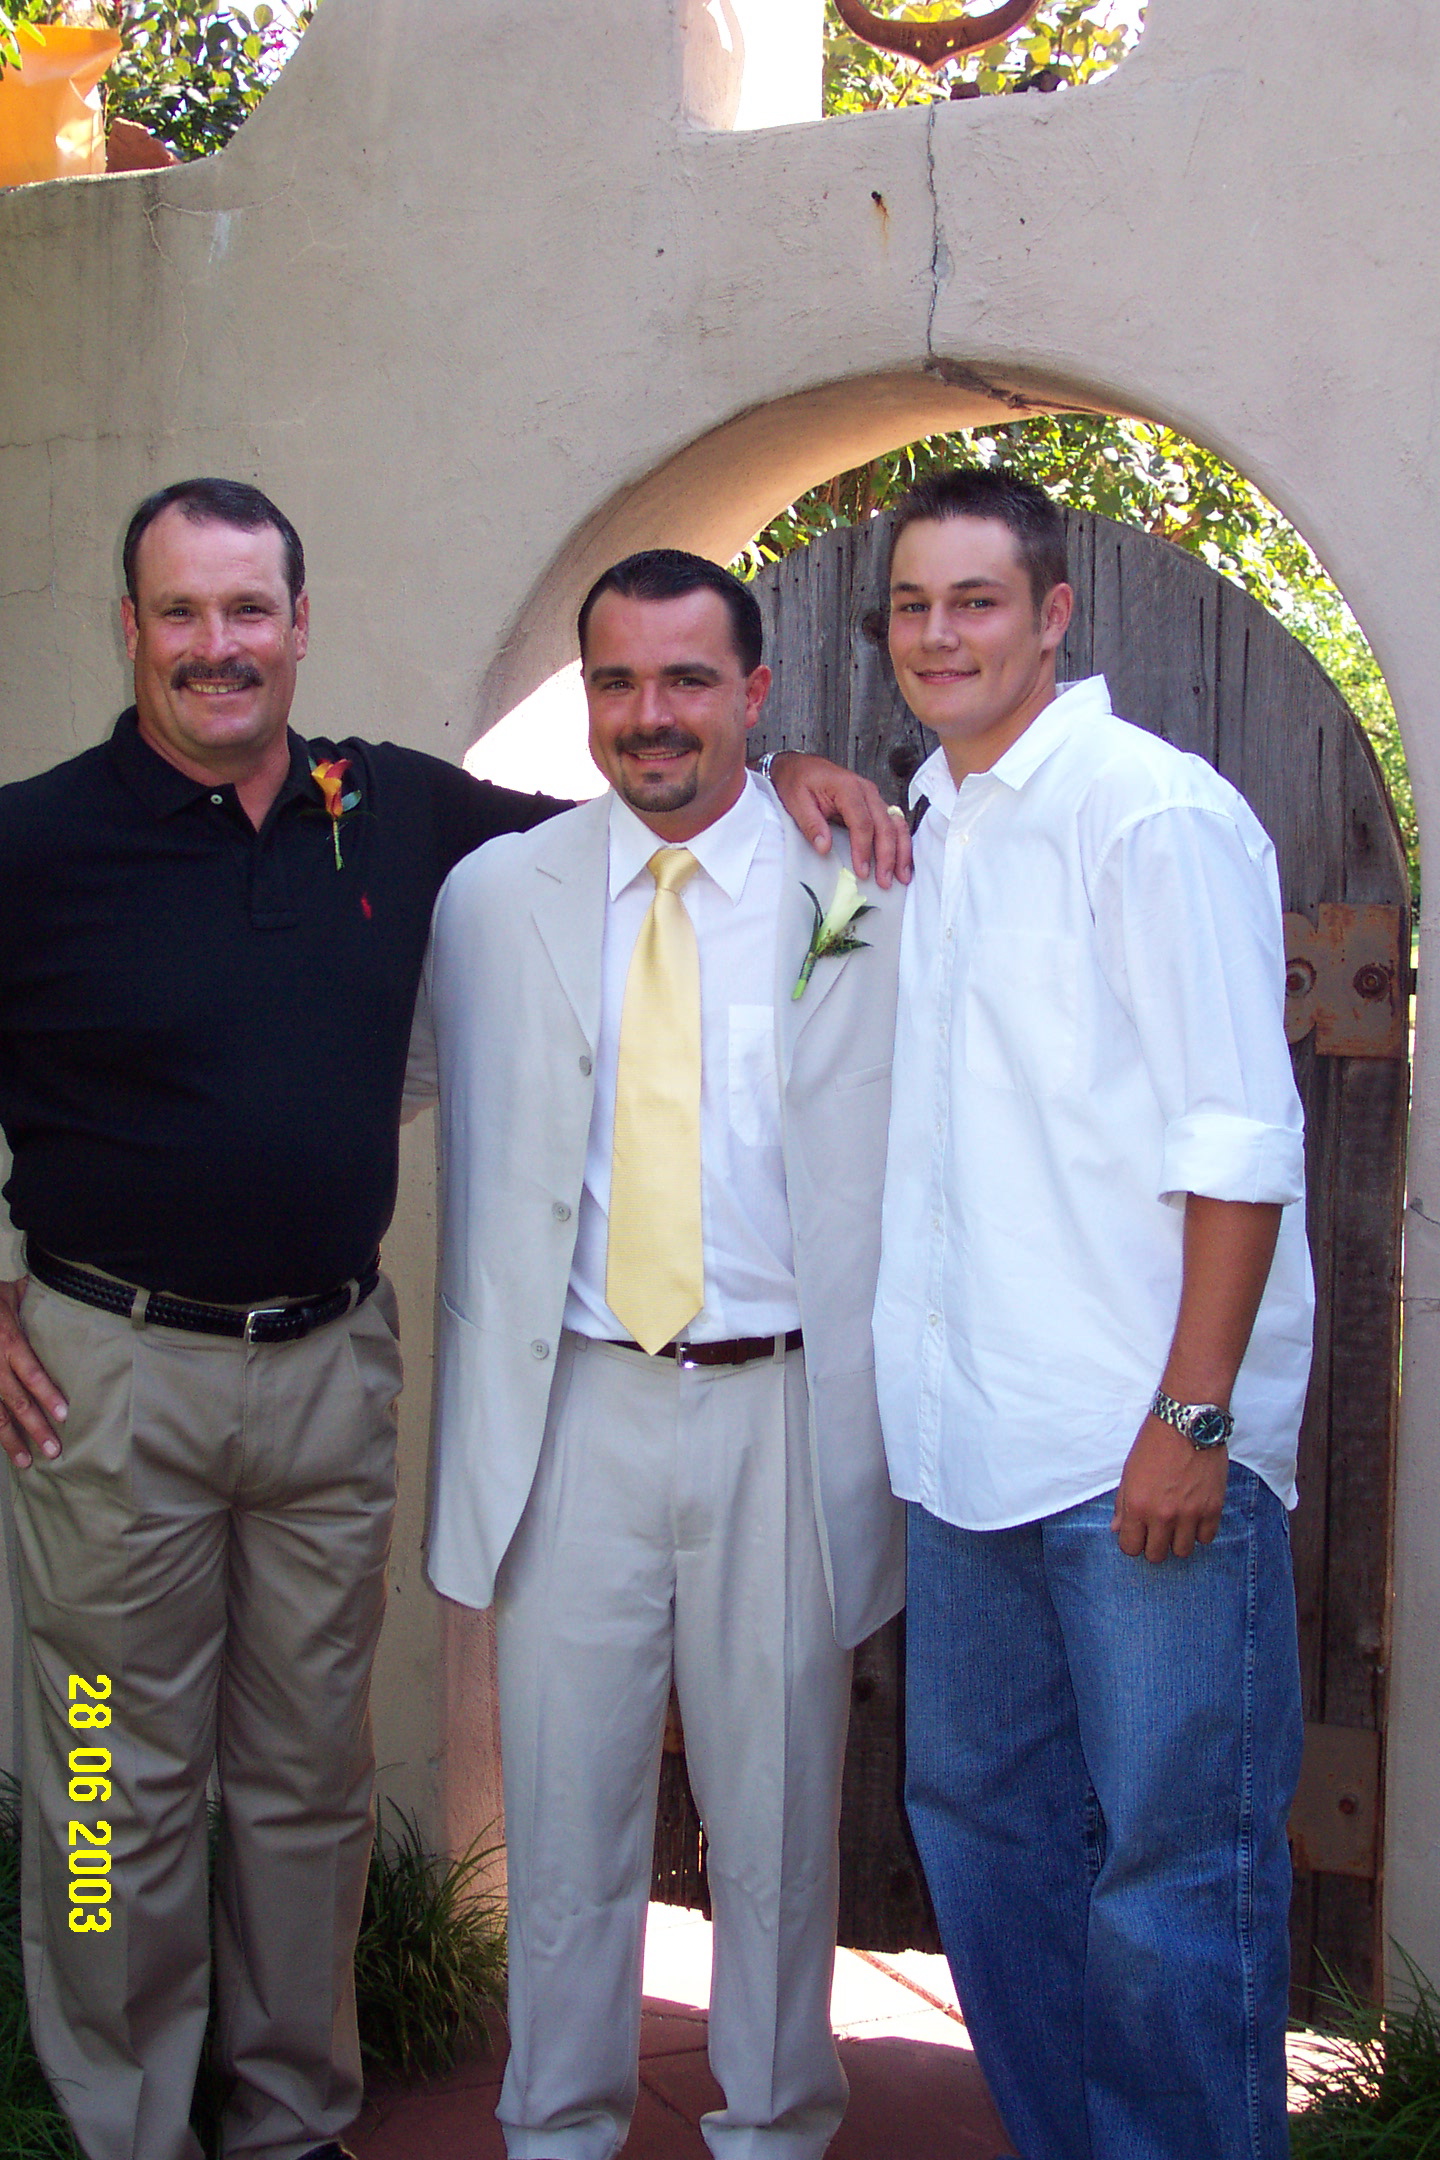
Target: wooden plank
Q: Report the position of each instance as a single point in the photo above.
(1335, 1818)
(677, 1874)
(1318, 1080)
(884, 1904)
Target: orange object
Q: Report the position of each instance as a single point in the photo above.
(329, 777)
(51, 125)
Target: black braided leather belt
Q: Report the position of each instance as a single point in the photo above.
(742, 1350)
(280, 1323)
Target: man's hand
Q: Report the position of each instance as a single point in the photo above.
(817, 794)
(31, 1405)
(1171, 1494)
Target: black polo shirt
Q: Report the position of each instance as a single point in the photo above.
(203, 1027)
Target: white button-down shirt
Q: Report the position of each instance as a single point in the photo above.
(1091, 1026)
(733, 900)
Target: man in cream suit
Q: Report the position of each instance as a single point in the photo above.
(658, 1444)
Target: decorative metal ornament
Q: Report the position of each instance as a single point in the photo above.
(933, 43)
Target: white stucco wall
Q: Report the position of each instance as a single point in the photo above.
(482, 325)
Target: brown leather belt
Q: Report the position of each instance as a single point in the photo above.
(742, 1350)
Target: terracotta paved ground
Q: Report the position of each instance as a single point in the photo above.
(916, 2092)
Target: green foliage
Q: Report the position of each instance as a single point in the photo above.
(1377, 2096)
(191, 73)
(31, 2126)
(1065, 42)
(430, 1958)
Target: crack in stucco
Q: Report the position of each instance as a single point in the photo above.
(949, 371)
(935, 233)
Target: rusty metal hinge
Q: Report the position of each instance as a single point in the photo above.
(1336, 1814)
(1343, 977)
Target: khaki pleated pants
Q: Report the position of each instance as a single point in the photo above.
(671, 1527)
(212, 1541)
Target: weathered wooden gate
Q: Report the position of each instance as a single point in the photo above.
(1192, 658)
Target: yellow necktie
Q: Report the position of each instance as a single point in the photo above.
(655, 1264)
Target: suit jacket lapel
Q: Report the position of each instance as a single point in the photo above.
(570, 873)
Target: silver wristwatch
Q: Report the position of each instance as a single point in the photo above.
(1203, 1424)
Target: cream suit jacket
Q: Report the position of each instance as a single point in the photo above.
(506, 1033)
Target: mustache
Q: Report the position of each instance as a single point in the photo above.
(241, 673)
(658, 742)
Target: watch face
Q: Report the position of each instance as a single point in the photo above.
(1209, 1427)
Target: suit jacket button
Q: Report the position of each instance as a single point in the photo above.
(560, 1211)
(539, 1349)
(586, 1067)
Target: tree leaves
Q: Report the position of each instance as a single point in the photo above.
(191, 73)
(1065, 42)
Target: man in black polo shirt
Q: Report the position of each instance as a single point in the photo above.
(214, 932)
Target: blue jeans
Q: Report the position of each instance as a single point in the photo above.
(1101, 1755)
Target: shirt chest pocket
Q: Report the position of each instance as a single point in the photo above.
(754, 1078)
(1024, 1011)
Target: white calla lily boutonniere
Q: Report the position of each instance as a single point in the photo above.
(834, 931)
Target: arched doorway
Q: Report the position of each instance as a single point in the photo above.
(1194, 659)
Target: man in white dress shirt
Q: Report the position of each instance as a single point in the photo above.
(1093, 1340)
(659, 1167)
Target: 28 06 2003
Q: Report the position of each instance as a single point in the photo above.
(90, 1786)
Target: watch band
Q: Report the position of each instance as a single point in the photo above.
(1204, 1425)
(763, 768)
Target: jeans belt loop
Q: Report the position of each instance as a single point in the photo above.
(138, 1307)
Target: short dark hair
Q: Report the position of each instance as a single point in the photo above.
(987, 491)
(668, 574)
(217, 502)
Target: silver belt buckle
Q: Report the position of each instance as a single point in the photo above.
(684, 1360)
(260, 1312)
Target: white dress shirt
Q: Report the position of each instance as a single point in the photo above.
(733, 900)
(1091, 1026)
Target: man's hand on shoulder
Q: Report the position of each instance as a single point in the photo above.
(31, 1406)
(818, 793)
(1171, 1494)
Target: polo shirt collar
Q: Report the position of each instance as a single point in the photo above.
(724, 851)
(164, 789)
(1076, 704)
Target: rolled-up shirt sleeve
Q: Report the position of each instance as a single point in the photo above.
(1187, 912)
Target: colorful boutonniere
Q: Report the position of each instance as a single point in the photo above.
(834, 931)
(329, 777)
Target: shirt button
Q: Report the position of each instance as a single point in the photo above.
(934, 1319)
(540, 1350)
(949, 934)
(586, 1067)
(217, 799)
(560, 1211)
(937, 1222)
